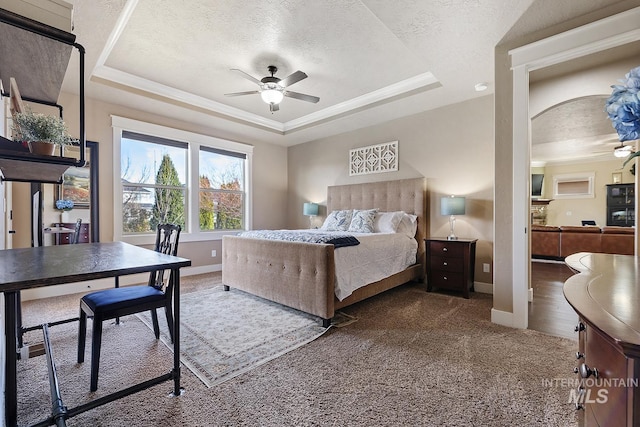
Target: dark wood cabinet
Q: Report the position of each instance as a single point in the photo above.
(607, 365)
(64, 238)
(451, 264)
(621, 202)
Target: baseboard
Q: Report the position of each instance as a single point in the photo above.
(530, 295)
(548, 260)
(483, 288)
(94, 285)
(500, 317)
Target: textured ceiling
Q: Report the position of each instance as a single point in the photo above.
(365, 59)
(577, 128)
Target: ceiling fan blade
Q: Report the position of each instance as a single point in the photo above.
(274, 107)
(251, 92)
(292, 78)
(301, 96)
(247, 76)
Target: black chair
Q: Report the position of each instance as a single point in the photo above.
(113, 303)
(76, 235)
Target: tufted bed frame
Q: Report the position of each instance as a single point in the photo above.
(301, 275)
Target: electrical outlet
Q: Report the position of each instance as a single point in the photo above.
(486, 268)
(214, 253)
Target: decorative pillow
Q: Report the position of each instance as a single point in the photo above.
(387, 222)
(337, 221)
(362, 221)
(408, 225)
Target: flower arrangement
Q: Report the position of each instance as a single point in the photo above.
(623, 108)
(64, 205)
(36, 127)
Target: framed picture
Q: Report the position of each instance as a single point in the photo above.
(78, 182)
(616, 177)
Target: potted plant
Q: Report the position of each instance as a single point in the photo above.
(41, 132)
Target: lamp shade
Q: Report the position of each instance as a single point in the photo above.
(452, 205)
(310, 209)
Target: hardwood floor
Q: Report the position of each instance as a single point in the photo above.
(549, 312)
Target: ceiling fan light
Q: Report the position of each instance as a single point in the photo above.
(622, 151)
(271, 96)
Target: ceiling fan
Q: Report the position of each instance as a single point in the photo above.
(273, 90)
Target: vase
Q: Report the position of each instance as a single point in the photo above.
(64, 216)
(42, 148)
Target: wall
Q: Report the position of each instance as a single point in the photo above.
(269, 176)
(452, 147)
(573, 211)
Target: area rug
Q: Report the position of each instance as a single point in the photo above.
(226, 333)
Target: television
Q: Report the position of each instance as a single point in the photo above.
(536, 184)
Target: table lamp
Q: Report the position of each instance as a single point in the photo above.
(311, 210)
(452, 206)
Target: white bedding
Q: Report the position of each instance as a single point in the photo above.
(379, 255)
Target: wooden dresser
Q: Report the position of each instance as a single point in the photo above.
(606, 296)
(451, 264)
(84, 233)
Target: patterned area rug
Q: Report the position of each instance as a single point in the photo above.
(226, 333)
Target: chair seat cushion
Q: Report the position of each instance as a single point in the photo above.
(121, 298)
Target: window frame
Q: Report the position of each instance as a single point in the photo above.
(192, 233)
(588, 178)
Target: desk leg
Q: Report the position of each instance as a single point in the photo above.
(10, 386)
(176, 332)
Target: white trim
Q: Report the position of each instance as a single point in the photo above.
(521, 200)
(483, 287)
(423, 80)
(530, 295)
(588, 177)
(500, 317)
(149, 86)
(194, 140)
(613, 31)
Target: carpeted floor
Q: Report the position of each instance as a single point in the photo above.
(412, 358)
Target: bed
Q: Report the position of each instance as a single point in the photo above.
(302, 275)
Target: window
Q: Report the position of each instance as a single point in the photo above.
(573, 186)
(153, 172)
(221, 189)
(169, 175)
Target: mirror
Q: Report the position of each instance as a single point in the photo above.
(80, 184)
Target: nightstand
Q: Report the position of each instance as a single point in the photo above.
(450, 264)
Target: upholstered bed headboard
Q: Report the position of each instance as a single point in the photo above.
(409, 195)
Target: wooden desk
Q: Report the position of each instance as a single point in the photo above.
(30, 268)
(606, 296)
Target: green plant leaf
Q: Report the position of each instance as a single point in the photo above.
(631, 156)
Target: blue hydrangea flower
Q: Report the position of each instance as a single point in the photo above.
(623, 107)
(64, 205)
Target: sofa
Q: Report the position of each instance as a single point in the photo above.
(557, 242)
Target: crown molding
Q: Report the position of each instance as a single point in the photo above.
(400, 88)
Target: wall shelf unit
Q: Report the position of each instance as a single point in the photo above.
(37, 57)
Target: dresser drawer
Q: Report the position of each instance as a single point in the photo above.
(447, 249)
(447, 264)
(601, 354)
(447, 280)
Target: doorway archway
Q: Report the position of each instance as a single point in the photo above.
(598, 36)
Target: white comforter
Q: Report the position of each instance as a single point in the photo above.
(378, 255)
